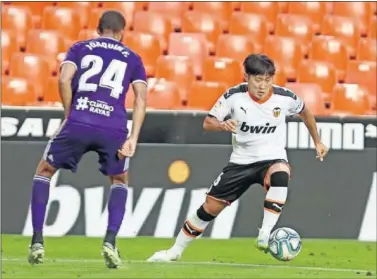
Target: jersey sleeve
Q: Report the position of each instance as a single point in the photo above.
(295, 105)
(72, 57)
(221, 109)
(139, 74)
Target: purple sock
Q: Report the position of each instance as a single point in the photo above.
(39, 200)
(117, 208)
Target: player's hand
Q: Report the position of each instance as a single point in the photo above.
(229, 125)
(128, 148)
(322, 151)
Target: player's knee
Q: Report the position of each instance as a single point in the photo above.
(119, 178)
(204, 215)
(213, 207)
(279, 179)
(45, 169)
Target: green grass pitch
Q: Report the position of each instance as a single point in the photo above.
(79, 257)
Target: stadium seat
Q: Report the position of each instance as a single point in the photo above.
(9, 45)
(268, 9)
(32, 67)
(367, 50)
(178, 69)
(372, 32)
(36, 8)
(280, 78)
(145, 45)
(65, 20)
(359, 11)
(172, 10)
(220, 10)
(225, 70)
(203, 95)
(295, 26)
(286, 53)
(47, 43)
(51, 91)
(247, 24)
(164, 95)
(153, 23)
(343, 28)
(314, 10)
(236, 5)
(350, 99)
(192, 45)
(16, 91)
(82, 7)
(17, 20)
(126, 8)
(198, 22)
(331, 50)
(234, 46)
(88, 34)
(322, 73)
(311, 94)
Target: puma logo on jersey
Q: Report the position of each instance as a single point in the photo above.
(243, 109)
(267, 129)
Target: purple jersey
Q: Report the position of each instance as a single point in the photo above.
(105, 69)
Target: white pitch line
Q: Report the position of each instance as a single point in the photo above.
(203, 263)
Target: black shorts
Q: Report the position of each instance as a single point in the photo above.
(236, 179)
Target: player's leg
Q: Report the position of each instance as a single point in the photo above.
(276, 184)
(227, 188)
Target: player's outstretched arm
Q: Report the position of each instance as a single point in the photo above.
(66, 74)
(212, 124)
(309, 120)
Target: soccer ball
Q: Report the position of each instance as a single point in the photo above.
(284, 244)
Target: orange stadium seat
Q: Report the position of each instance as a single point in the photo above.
(372, 33)
(268, 9)
(18, 20)
(299, 27)
(145, 45)
(82, 7)
(36, 9)
(236, 5)
(367, 50)
(16, 91)
(47, 43)
(311, 94)
(192, 45)
(9, 45)
(203, 95)
(253, 25)
(126, 8)
(234, 46)
(322, 73)
(88, 34)
(331, 50)
(172, 10)
(51, 91)
(153, 23)
(225, 70)
(280, 78)
(314, 10)
(65, 20)
(359, 11)
(350, 99)
(220, 10)
(34, 68)
(198, 22)
(164, 95)
(283, 7)
(179, 69)
(286, 53)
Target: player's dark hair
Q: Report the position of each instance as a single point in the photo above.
(111, 20)
(259, 64)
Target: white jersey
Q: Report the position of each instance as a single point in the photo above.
(261, 131)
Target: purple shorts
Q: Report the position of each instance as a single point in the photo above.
(66, 148)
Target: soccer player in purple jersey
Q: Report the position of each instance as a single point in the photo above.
(93, 81)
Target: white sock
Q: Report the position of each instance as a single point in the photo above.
(273, 206)
(191, 229)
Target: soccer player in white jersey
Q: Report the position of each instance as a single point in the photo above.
(255, 113)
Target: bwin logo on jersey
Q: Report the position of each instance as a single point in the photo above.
(267, 129)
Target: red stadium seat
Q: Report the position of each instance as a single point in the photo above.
(192, 45)
(359, 11)
(367, 50)
(16, 91)
(314, 10)
(225, 70)
(268, 9)
(253, 25)
(82, 7)
(9, 45)
(65, 20)
(17, 20)
(203, 95)
(172, 10)
(145, 45)
(153, 23)
(198, 22)
(343, 28)
(331, 50)
(286, 53)
(351, 99)
(236, 47)
(220, 10)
